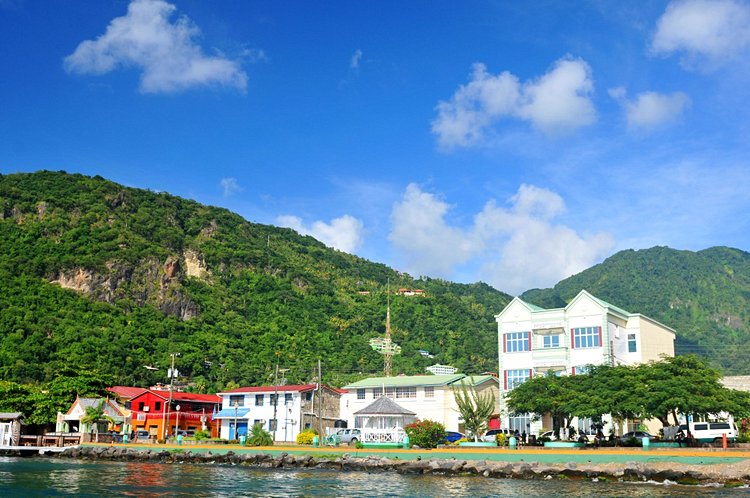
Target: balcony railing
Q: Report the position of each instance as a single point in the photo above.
(550, 357)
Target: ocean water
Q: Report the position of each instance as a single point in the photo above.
(28, 477)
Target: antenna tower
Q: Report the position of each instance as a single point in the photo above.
(384, 345)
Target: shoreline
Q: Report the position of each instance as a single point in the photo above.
(729, 469)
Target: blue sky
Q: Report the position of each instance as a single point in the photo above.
(516, 143)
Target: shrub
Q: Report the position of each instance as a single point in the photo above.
(425, 434)
(200, 435)
(462, 440)
(500, 439)
(259, 437)
(306, 436)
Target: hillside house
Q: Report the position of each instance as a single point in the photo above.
(153, 411)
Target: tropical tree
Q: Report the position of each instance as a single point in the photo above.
(259, 437)
(95, 414)
(545, 394)
(474, 408)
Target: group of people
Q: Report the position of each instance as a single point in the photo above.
(681, 437)
(599, 438)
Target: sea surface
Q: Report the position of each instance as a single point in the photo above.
(64, 477)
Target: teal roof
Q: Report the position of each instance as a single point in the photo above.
(610, 306)
(418, 381)
(406, 381)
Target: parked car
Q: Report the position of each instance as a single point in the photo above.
(142, 435)
(452, 437)
(186, 433)
(549, 435)
(491, 435)
(637, 435)
(349, 436)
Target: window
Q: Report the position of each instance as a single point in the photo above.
(272, 425)
(631, 343)
(514, 342)
(377, 392)
(389, 392)
(140, 406)
(586, 426)
(429, 392)
(157, 406)
(273, 399)
(520, 423)
(287, 398)
(308, 396)
(308, 425)
(257, 421)
(551, 341)
(361, 393)
(587, 337)
(238, 400)
(515, 378)
(259, 399)
(406, 392)
(581, 369)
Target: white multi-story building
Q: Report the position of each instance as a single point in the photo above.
(588, 331)
(430, 397)
(439, 369)
(284, 411)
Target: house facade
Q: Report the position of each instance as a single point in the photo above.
(565, 341)
(71, 421)
(153, 411)
(429, 397)
(284, 411)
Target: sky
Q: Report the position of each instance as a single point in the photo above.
(514, 143)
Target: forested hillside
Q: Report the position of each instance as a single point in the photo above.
(704, 295)
(101, 277)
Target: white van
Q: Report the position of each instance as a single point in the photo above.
(709, 432)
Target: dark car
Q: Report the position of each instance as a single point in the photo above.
(452, 437)
(142, 435)
(637, 435)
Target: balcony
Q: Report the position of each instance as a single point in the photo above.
(550, 357)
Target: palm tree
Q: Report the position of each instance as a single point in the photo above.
(475, 409)
(95, 414)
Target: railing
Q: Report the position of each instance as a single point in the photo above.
(383, 435)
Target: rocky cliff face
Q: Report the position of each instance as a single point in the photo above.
(150, 282)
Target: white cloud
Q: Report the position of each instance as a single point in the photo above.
(354, 61)
(430, 246)
(556, 103)
(711, 31)
(517, 248)
(165, 51)
(651, 109)
(344, 233)
(229, 186)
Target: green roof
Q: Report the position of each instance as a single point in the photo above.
(406, 381)
(610, 306)
(417, 381)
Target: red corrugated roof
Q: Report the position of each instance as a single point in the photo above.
(126, 392)
(181, 396)
(267, 389)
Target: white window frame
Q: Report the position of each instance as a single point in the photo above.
(586, 337)
(517, 342)
(549, 343)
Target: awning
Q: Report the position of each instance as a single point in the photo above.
(231, 413)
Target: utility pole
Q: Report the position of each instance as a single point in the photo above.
(320, 399)
(169, 403)
(275, 399)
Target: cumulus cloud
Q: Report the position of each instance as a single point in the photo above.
(344, 233)
(165, 51)
(710, 31)
(229, 186)
(516, 248)
(651, 109)
(420, 232)
(558, 102)
(354, 61)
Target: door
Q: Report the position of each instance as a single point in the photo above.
(5, 434)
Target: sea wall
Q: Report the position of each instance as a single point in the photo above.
(729, 474)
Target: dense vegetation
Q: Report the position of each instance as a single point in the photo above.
(147, 274)
(704, 296)
(658, 390)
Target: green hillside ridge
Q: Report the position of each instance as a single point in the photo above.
(704, 296)
(101, 277)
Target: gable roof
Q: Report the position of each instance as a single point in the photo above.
(529, 306)
(183, 396)
(384, 406)
(126, 392)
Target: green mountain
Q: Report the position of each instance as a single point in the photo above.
(97, 276)
(704, 296)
